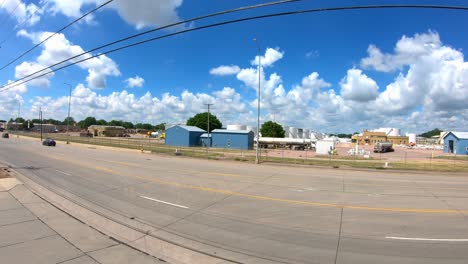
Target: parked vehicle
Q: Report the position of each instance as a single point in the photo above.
(383, 147)
(5, 135)
(49, 142)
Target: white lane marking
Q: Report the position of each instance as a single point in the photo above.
(159, 201)
(429, 239)
(66, 173)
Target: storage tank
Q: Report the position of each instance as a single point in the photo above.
(411, 138)
(253, 129)
(306, 133)
(236, 127)
(292, 132)
(300, 133)
(286, 132)
(394, 132)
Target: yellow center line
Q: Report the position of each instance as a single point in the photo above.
(266, 198)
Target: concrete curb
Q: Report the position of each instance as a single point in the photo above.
(141, 241)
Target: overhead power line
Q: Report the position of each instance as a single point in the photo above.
(11, 12)
(297, 12)
(153, 30)
(55, 33)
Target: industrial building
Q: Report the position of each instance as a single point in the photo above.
(183, 136)
(106, 131)
(190, 136)
(372, 137)
(456, 143)
(237, 139)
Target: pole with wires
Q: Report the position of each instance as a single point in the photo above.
(68, 117)
(209, 139)
(257, 159)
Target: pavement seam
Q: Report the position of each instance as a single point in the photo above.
(339, 236)
(32, 220)
(38, 238)
(76, 258)
(56, 232)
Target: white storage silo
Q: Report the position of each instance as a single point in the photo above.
(292, 132)
(394, 132)
(236, 127)
(286, 131)
(411, 137)
(300, 133)
(306, 133)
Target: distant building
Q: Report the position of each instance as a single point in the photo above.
(235, 139)
(371, 137)
(183, 136)
(46, 128)
(456, 143)
(107, 131)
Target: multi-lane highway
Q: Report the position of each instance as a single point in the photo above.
(264, 213)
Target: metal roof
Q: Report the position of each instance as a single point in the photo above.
(191, 128)
(459, 135)
(231, 131)
(204, 135)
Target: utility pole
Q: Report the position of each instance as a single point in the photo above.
(40, 118)
(68, 118)
(209, 139)
(257, 160)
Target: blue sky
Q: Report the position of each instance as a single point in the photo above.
(332, 72)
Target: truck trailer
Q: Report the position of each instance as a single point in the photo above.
(383, 147)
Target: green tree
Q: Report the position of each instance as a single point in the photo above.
(201, 121)
(36, 121)
(88, 121)
(19, 120)
(101, 122)
(115, 123)
(144, 126)
(65, 121)
(272, 129)
(128, 125)
(161, 126)
(433, 132)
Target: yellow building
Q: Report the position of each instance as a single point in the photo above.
(370, 138)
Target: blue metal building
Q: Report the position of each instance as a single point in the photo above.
(183, 136)
(236, 139)
(204, 142)
(456, 142)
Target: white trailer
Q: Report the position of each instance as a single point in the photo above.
(325, 147)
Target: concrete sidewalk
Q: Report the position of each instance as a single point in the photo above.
(34, 231)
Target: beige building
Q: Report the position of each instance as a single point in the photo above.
(107, 131)
(370, 138)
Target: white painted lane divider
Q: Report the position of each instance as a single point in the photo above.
(429, 239)
(159, 201)
(63, 172)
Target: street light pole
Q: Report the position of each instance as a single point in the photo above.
(68, 118)
(40, 118)
(257, 160)
(209, 139)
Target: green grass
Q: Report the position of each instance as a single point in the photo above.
(458, 157)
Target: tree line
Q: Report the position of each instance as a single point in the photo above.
(88, 121)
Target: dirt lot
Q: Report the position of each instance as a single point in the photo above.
(400, 153)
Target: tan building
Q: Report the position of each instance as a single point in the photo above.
(370, 138)
(107, 131)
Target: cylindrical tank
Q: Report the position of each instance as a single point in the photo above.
(306, 133)
(394, 132)
(286, 132)
(411, 138)
(253, 129)
(293, 132)
(236, 127)
(300, 133)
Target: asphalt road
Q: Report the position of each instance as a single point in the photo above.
(264, 212)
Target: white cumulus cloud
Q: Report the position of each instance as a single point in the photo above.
(59, 48)
(357, 86)
(271, 56)
(139, 13)
(225, 70)
(136, 81)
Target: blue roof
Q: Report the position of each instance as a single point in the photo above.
(231, 131)
(191, 128)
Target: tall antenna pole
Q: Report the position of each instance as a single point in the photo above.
(209, 139)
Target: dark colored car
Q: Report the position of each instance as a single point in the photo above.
(49, 142)
(5, 135)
